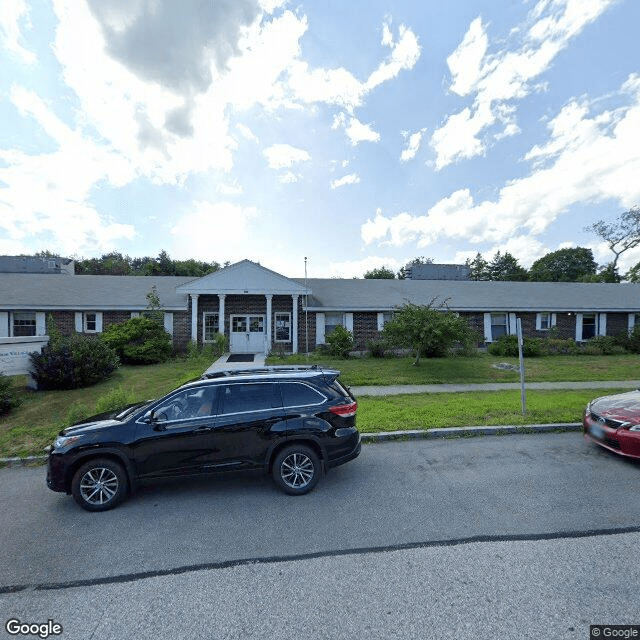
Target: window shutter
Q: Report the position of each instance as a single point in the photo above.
(380, 321)
(41, 328)
(553, 319)
(538, 321)
(319, 328)
(487, 328)
(578, 327)
(79, 326)
(631, 322)
(168, 323)
(513, 325)
(602, 324)
(4, 324)
(98, 321)
(348, 322)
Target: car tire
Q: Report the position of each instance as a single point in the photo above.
(99, 484)
(296, 470)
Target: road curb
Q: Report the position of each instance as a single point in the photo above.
(385, 436)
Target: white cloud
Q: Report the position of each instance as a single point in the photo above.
(414, 141)
(352, 178)
(229, 189)
(12, 14)
(213, 229)
(497, 79)
(588, 158)
(58, 212)
(356, 131)
(283, 156)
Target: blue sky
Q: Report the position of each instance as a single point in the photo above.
(357, 134)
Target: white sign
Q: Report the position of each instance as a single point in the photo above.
(14, 353)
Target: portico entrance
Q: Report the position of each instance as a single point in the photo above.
(247, 334)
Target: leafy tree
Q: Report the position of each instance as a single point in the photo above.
(380, 273)
(479, 268)
(428, 330)
(506, 267)
(565, 265)
(621, 235)
(404, 271)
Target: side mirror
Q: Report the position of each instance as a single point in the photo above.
(149, 417)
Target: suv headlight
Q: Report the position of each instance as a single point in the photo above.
(65, 441)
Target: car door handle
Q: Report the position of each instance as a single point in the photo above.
(203, 428)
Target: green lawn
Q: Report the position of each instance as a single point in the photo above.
(32, 426)
(389, 371)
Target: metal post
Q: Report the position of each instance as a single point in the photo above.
(306, 310)
(523, 393)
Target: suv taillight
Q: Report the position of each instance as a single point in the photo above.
(345, 410)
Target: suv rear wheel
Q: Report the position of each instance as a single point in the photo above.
(296, 469)
(99, 485)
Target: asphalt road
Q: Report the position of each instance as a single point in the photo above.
(521, 536)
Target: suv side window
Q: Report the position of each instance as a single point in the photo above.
(248, 396)
(297, 394)
(186, 405)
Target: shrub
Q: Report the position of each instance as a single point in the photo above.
(139, 341)
(632, 343)
(77, 412)
(603, 346)
(8, 398)
(561, 347)
(376, 347)
(114, 399)
(72, 362)
(508, 346)
(340, 342)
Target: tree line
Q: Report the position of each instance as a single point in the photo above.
(115, 264)
(575, 264)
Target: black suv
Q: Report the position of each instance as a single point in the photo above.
(291, 422)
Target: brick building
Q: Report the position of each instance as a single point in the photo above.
(260, 310)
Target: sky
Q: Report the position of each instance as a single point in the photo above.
(353, 134)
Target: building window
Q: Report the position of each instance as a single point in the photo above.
(545, 320)
(211, 326)
(24, 324)
(90, 322)
(283, 327)
(331, 321)
(589, 325)
(498, 325)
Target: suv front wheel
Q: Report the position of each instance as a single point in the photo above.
(296, 470)
(99, 484)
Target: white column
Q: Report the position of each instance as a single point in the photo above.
(194, 317)
(41, 324)
(221, 297)
(319, 328)
(348, 321)
(513, 329)
(269, 298)
(578, 327)
(294, 323)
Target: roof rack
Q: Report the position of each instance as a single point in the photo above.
(258, 370)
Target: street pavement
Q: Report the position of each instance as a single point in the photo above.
(506, 537)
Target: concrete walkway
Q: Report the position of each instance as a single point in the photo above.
(392, 390)
(222, 364)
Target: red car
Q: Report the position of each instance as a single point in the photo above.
(613, 422)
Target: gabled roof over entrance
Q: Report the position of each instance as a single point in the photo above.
(244, 277)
